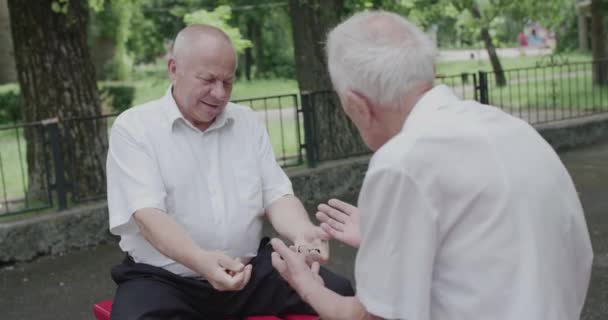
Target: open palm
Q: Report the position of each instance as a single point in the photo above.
(341, 221)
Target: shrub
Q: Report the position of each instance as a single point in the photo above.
(117, 95)
(10, 104)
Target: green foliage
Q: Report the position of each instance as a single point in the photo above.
(219, 18)
(10, 104)
(112, 20)
(118, 96)
(60, 6)
(122, 62)
(274, 57)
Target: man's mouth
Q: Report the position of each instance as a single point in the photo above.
(211, 105)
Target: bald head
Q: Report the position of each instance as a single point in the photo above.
(201, 69)
(198, 37)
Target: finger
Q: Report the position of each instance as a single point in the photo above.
(345, 207)
(236, 282)
(333, 213)
(315, 267)
(335, 225)
(288, 256)
(278, 263)
(248, 271)
(331, 231)
(222, 281)
(324, 218)
(322, 235)
(230, 264)
(246, 275)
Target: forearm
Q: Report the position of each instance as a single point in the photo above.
(169, 238)
(332, 306)
(289, 218)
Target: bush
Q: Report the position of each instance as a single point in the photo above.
(117, 95)
(10, 104)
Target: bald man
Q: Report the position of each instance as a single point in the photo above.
(190, 178)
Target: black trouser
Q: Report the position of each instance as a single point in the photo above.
(147, 292)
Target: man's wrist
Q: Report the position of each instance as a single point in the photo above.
(308, 290)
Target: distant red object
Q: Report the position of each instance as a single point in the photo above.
(523, 41)
(102, 310)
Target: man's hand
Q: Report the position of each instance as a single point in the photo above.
(225, 273)
(313, 245)
(293, 268)
(341, 221)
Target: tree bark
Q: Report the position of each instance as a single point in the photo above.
(499, 73)
(57, 79)
(333, 135)
(598, 44)
(7, 60)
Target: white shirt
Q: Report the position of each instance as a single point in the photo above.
(216, 184)
(469, 214)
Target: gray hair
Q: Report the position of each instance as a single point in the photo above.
(380, 55)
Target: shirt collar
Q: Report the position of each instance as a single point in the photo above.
(434, 99)
(174, 114)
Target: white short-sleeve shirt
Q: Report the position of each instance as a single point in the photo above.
(469, 214)
(216, 184)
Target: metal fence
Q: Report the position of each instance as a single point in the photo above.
(60, 180)
(307, 126)
(282, 116)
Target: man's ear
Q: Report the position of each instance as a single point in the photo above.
(359, 109)
(171, 69)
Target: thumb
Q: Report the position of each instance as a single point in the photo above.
(231, 264)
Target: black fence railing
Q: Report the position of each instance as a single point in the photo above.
(48, 172)
(282, 116)
(57, 177)
(550, 92)
(14, 177)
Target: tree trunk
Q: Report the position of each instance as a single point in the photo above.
(7, 60)
(333, 135)
(499, 73)
(57, 79)
(249, 60)
(598, 44)
(258, 44)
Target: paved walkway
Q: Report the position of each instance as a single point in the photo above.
(65, 287)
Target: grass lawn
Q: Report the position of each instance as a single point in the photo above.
(452, 68)
(13, 165)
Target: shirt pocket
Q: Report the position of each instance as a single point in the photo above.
(249, 188)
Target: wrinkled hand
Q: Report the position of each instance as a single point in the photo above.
(341, 221)
(313, 245)
(225, 273)
(293, 268)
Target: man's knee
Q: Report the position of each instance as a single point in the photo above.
(146, 300)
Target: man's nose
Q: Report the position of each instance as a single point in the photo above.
(218, 91)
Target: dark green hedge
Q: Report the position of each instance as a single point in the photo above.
(118, 96)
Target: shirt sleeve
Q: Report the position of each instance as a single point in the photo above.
(275, 183)
(133, 178)
(394, 264)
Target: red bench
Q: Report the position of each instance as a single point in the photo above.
(102, 310)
